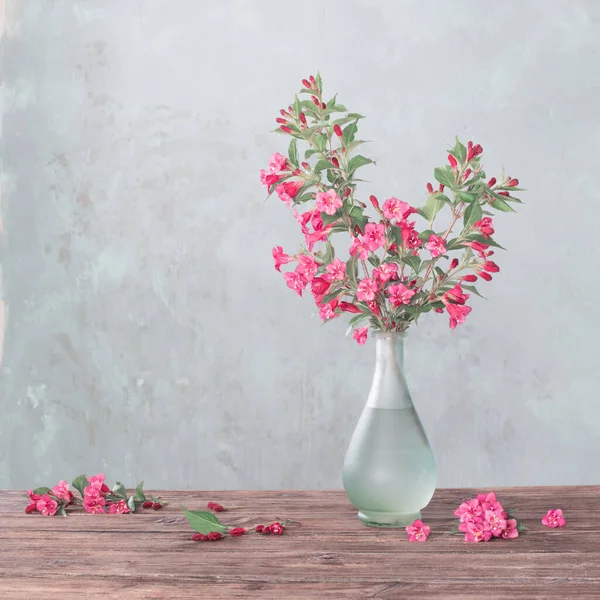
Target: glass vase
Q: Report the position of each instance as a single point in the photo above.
(389, 471)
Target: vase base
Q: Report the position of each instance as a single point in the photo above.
(374, 518)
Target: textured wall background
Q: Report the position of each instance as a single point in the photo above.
(146, 333)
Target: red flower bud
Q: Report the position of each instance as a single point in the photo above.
(347, 192)
(503, 194)
(469, 145)
(338, 130)
(452, 162)
(213, 536)
(441, 188)
(492, 182)
(280, 120)
(265, 530)
(470, 154)
(196, 537)
(469, 278)
(215, 506)
(285, 128)
(512, 183)
(485, 276)
(312, 80)
(477, 150)
(105, 489)
(259, 528)
(323, 105)
(347, 307)
(306, 83)
(315, 100)
(412, 283)
(430, 188)
(491, 267)
(305, 165)
(393, 248)
(466, 174)
(148, 504)
(439, 310)
(374, 202)
(335, 161)
(454, 263)
(237, 531)
(302, 118)
(276, 528)
(157, 506)
(284, 113)
(31, 508)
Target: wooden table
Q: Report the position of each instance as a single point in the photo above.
(329, 555)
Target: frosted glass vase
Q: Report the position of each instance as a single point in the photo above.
(389, 471)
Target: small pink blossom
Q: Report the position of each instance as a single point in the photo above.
(458, 314)
(436, 245)
(327, 311)
(395, 210)
(511, 530)
(288, 190)
(328, 202)
(359, 247)
(336, 270)
(360, 335)
(303, 219)
(319, 287)
(96, 482)
(118, 508)
(277, 163)
(296, 281)
(485, 227)
(307, 266)
(367, 288)
(47, 506)
(455, 295)
(553, 518)
(280, 257)
(488, 501)
(374, 236)
(418, 531)
(386, 272)
(94, 504)
(33, 497)
(478, 531)
(399, 294)
(61, 491)
(410, 237)
(496, 521)
(469, 509)
(268, 179)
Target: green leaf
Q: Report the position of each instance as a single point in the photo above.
(119, 490)
(445, 175)
(80, 483)
(502, 206)
(139, 491)
(131, 503)
(521, 527)
(310, 152)
(473, 214)
(203, 521)
(61, 511)
(374, 260)
(351, 269)
(475, 237)
(459, 151)
(323, 164)
(425, 235)
(293, 152)
(349, 133)
(303, 198)
(329, 253)
(358, 161)
(358, 218)
(414, 262)
(355, 320)
(467, 196)
(337, 107)
(473, 289)
(41, 490)
(331, 296)
(297, 106)
(356, 116)
(320, 141)
(319, 82)
(432, 207)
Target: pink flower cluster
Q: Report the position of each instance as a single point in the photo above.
(483, 518)
(49, 503)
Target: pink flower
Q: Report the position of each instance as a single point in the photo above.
(303, 219)
(33, 497)
(268, 179)
(436, 245)
(358, 247)
(347, 307)
(386, 272)
(496, 522)
(485, 227)
(395, 210)
(280, 257)
(47, 506)
(469, 509)
(478, 531)
(367, 288)
(410, 238)
(61, 491)
(96, 482)
(94, 503)
(295, 281)
(336, 270)
(458, 314)
(511, 530)
(360, 335)
(288, 190)
(553, 518)
(328, 202)
(277, 163)
(307, 266)
(327, 311)
(455, 295)
(319, 287)
(418, 531)
(118, 508)
(374, 236)
(489, 502)
(399, 294)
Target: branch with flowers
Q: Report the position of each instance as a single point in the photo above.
(394, 272)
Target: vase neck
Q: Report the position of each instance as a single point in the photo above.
(389, 348)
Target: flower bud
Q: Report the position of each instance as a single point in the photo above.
(147, 504)
(439, 310)
(302, 118)
(259, 528)
(335, 161)
(237, 531)
(213, 536)
(512, 183)
(430, 188)
(286, 129)
(281, 121)
(157, 506)
(503, 194)
(315, 100)
(466, 174)
(454, 263)
(441, 188)
(485, 276)
(469, 278)
(31, 508)
(337, 130)
(306, 83)
(490, 266)
(374, 202)
(492, 182)
(312, 80)
(452, 162)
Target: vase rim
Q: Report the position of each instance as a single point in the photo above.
(395, 334)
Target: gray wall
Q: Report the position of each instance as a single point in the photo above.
(146, 332)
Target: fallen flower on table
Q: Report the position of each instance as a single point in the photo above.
(554, 518)
(96, 498)
(483, 518)
(418, 531)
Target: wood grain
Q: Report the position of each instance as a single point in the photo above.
(329, 554)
